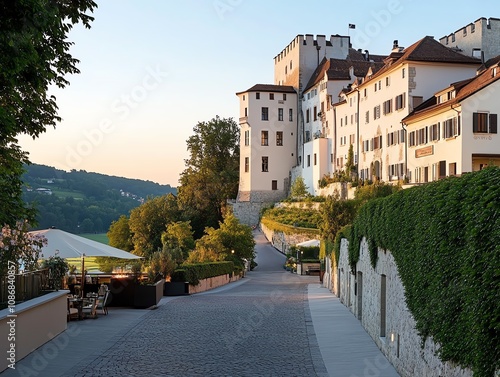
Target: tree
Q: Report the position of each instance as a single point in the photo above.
(349, 165)
(236, 237)
(119, 234)
(148, 222)
(18, 245)
(212, 172)
(87, 225)
(34, 55)
(161, 263)
(298, 189)
(231, 241)
(12, 159)
(335, 214)
(178, 240)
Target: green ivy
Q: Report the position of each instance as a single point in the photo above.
(344, 232)
(299, 217)
(445, 239)
(289, 229)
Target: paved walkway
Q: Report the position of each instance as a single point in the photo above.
(347, 349)
(272, 323)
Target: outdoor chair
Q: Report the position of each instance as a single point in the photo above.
(102, 290)
(72, 312)
(103, 302)
(91, 308)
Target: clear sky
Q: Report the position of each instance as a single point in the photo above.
(152, 69)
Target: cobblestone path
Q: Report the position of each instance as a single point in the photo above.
(261, 327)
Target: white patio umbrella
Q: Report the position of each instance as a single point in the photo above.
(68, 245)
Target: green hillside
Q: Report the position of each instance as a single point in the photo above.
(82, 202)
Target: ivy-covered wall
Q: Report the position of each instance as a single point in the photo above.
(445, 240)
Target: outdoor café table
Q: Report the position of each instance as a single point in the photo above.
(78, 304)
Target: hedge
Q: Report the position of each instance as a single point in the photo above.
(193, 273)
(299, 217)
(445, 239)
(289, 229)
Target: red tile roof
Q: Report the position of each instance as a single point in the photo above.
(270, 88)
(426, 50)
(463, 89)
(339, 69)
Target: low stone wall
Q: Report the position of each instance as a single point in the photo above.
(211, 283)
(344, 189)
(304, 205)
(35, 322)
(394, 330)
(282, 241)
(247, 206)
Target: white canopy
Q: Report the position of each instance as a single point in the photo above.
(309, 243)
(68, 245)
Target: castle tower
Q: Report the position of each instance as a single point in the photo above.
(267, 144)
(479, 39)
(295, 64)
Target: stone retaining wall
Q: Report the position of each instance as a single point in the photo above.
(282, 241)
(362, 294)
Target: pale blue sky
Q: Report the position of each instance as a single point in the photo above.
(152, 69)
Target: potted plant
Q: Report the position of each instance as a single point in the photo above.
(57, 269)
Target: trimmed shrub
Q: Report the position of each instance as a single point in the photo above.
(193, 273)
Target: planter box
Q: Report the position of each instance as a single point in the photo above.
(125, 292)
(146, 296)
(122, 292)
(176, 288)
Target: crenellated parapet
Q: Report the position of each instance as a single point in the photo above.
(298, 60)
(479, 38)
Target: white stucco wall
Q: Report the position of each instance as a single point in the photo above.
(281, 157)
(462, 150)
(418, 80)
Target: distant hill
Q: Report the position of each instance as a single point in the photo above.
(82, 202)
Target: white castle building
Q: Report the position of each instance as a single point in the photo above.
(328, 97)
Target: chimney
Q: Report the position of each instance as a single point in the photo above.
(395, 44)
(367, 56)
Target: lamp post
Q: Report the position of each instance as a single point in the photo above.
(297, 262)
(301, 257)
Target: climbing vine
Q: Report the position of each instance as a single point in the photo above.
(445, 239)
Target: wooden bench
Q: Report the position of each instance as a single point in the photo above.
(312, 270)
